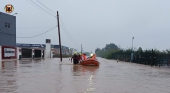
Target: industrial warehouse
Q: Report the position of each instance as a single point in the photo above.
(9, 49)
(32, 51)
(37, 50)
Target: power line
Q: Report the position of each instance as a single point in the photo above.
(29, 36)
(38, 34)
(32, 4)
(45, 6)
(68, 32)
(40, 7)
(30, 27)
(6, 33)
(33, 27)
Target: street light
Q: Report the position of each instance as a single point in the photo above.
(15, 14)
(132, 49)
(132, 43)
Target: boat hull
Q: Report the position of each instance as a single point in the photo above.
(90, 63)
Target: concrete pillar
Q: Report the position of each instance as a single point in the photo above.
(48, 48)
(17, 52)
(32, 53)
(51, 54)
(41, 53)
(20, 53)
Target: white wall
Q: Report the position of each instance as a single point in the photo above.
(48, 51)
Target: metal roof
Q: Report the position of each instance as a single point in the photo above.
(24, 45)
(35, 45)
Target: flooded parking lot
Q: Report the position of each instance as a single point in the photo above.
(53, 76)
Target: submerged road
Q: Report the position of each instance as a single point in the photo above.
(52, 76)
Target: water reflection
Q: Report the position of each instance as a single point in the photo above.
(87, 78)
(37, 60)
(91, 80)
(76, 70)
(90, 84)
(90, 68)
(8, 77)
(25, 63)
(9, 64)
(83, 70)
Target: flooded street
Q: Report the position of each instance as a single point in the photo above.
(53, 76)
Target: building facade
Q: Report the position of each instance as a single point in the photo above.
(54, 48)
(7, 30)
(8, 48)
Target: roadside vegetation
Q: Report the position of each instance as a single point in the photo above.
(110, 50)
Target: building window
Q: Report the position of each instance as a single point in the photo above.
(48, 41)
(7, 25)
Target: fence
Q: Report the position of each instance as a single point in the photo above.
(147, 58)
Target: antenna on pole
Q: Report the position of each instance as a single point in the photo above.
(81, 49)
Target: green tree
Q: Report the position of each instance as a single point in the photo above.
(139, 51)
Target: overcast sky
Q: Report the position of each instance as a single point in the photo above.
(95, 23)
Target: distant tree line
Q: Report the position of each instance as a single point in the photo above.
(107, 51)
(148, 57)
(87, 53)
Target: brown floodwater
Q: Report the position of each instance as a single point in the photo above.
(53, 76)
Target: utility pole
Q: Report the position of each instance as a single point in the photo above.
(59, 36)
(81, 49)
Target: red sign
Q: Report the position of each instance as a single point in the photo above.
(9, 52)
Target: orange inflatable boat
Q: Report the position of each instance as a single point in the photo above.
(90, 62)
